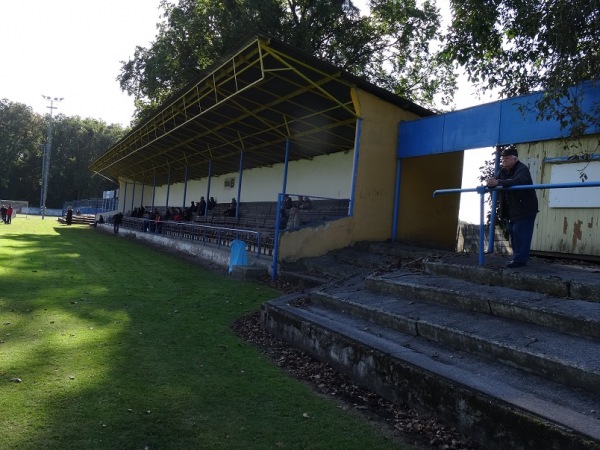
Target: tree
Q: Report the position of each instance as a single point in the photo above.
(22, 133)
(407, 61)
(390, 47)
(76, 143)
(520, 46)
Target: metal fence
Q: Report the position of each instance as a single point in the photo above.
(206, 234)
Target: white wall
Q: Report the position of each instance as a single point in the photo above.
(324, 176)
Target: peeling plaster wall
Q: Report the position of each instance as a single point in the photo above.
(573, 231)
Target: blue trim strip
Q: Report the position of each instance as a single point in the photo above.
(132, 196)
(492, 231)
(396, 200)
(239, 190)
(168, 186)
(279, 206)
(153, 191)
(208, 187)
(185, 185)
(124, 197)
(355, 166)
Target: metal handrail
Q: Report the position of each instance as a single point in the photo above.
(187, 230)
(482, 190)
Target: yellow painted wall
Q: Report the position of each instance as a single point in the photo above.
(572, 231)
(374, 194)
(422, 218)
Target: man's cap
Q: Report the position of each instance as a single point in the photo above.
(510, 151)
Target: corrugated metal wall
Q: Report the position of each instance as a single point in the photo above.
(574, 231)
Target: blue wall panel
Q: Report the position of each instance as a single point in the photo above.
(519, 122)
(471, 128)
(510, 121)
(422, 137)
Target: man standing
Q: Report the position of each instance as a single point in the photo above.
(519, 207)
(117, 220)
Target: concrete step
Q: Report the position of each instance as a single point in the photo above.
(510, 357)
(301, 280)
(556, 279)
(496, 404)
(569, 315)
(565, 358)
(330, 268)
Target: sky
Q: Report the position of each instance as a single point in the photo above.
(74, 49)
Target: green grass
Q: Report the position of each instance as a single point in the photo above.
(121, 346)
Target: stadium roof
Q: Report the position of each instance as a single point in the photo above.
(251, 100)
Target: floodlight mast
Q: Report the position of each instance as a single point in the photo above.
(46, 154)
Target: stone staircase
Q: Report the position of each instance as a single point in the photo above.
(509, 357)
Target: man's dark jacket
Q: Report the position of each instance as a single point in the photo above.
(517, 204)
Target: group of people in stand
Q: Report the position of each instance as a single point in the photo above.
(7, 213)
(290, 214)
(155, 218)
(202, 206)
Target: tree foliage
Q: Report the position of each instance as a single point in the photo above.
(76, 143)
(391, 47)
(22, 134)
(520, 46)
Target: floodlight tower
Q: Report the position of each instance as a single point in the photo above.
(46, 155)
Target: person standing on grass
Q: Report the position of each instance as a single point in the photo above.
(9, 213)
(69, 216)
(518, 207)
(117, 219)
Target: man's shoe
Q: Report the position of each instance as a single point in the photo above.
(514, 264)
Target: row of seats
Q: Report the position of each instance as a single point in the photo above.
(253, 217)
(262, 215)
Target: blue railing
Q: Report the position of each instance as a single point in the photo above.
(482, 190)
(316, 215)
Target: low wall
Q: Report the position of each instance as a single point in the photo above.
(208, 253)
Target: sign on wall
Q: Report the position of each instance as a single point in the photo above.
(588, 197)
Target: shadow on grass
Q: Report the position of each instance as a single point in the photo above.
(121, 346)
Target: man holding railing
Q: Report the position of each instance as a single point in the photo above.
(519, 207)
